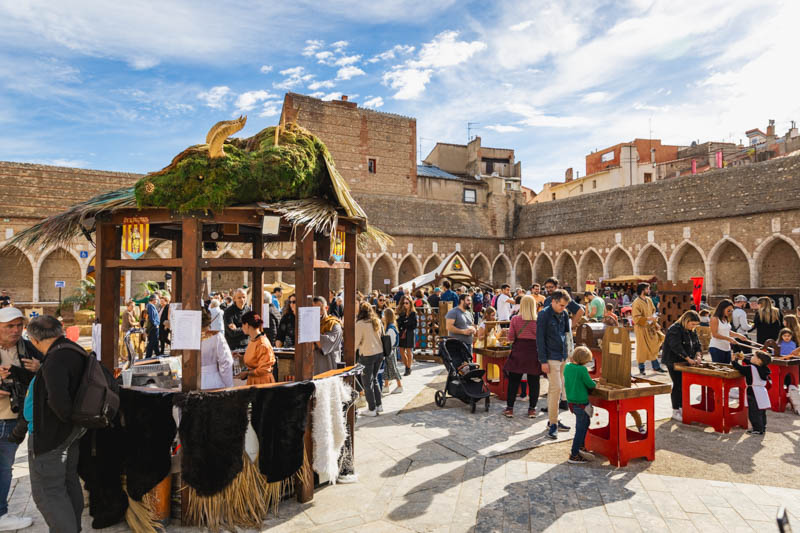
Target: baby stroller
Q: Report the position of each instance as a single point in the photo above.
(464, 378)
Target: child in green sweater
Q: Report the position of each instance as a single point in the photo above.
(577, 384)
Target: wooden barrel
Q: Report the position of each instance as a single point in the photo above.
(590, 334)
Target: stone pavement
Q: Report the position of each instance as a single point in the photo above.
(447, 470)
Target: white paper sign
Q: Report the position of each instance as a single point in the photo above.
(309, 324)
(185, 326)
(96, 339)
(387, 281)
(265, 314)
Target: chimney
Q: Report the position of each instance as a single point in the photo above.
(771, 129)
(568, 175)
(344, 98)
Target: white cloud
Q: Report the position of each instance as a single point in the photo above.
(503, 128)
(332, 96)
(596, 97)
(373, 102)
(326, 84)
(248, 100)
(266, 69)
(339, 45)
(347, 60)
(295, 76)
(311, 47)
(216, 97)
(143, 63)
(522, 25)
(409, 82)
(446, 51)
(324, 57)
(317, 94)
(534, 117)
(396, 50)
(346, 73)
(270, 109)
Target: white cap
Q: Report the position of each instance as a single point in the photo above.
(8, 314)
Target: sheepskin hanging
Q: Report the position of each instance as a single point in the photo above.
(212, 434)
(279, 419)
(149, 431)
(329, 430)
(100, 466)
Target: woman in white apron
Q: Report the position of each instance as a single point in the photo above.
(756, 375)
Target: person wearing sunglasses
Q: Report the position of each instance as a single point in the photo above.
(406, 324)
(286, 328)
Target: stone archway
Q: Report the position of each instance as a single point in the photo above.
(652, 261)
(383, 270)
(139, 277)
(362, 275)
(17, 274)
(227, 281)
(501, 271)
(591, 266)
(480, 268)
(59, 265)
(730, 268)
(542, 268)
(779, 264)
(687, 262)
(567, 271)
(619, 263)
(431, 264)
(409, 269)
(522, 272)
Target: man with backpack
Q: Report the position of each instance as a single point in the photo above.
(54, 438)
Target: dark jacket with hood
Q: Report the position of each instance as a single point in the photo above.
(680, 344)
(237, 339)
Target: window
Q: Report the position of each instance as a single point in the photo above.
(581, 188)
(372, 166)
(594, 184)
(470, 196)
(554, 196)
(648, 177)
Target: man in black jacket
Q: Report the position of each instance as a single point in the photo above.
(237, 339)
(54, 439)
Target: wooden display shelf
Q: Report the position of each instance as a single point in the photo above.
(497, 351)
(717, 370)
(639, 388)
(791, 361)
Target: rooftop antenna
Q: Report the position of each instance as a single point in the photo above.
(470, 128)
(419, 152)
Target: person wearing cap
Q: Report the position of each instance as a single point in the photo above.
(153, 323)
(21, 354)
(433, 299)
(739, 322)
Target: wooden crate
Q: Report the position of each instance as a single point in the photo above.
(639, 387)
(617, 356)
(720, 370)
(674, 300)
(704, 334)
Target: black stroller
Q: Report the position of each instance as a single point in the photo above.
(464, 378)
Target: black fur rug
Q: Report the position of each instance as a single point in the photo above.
(279, 419)
(100, 467)
(149, 431)
(212, 432)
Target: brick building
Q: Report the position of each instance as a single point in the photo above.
(738, 226)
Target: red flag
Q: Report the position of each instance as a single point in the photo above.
(697, 291)
(694, 166)
(719, 159)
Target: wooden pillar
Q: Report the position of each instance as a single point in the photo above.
(258, 278)
(190, 276)
(349, 303)
(107, 283)
(323, 275)
(177, 253)
(304, 353)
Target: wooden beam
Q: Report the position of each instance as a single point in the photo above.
(143, 264)
(304, 352)
(161, 216)
(232, 263)
(323, 275)
(324, 265)
(349, 303)
(258, 278)
(107, 283)
(191, 251)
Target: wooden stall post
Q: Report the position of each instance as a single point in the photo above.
(109, 243)
(177, 251)
(258, 277)
(191, 278)
(323, 275)
(617, 356)
(350, 311)
(304, 352)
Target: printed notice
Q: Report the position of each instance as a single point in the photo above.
(265, 314)
(185, 326)
(308, 324)
(96, 329)
(615, 348)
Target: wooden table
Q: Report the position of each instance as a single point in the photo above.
(615, 441)
(716, 381)
(778, 390)
(495, 356)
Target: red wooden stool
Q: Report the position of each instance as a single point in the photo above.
(778, 392)
(498, 388)
(714, 409)
(597, 356)
(615, 441)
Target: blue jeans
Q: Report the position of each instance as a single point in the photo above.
(656, 365)
(152, 342)
(720, 356)
(7, 452)
(581, 427)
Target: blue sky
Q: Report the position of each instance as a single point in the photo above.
(126, 87)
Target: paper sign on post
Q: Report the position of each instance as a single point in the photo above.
(308, 324)
(96, 329)
(265, 314)
(185, 326)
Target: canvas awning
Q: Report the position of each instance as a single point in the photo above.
(627, 280)
(454, 268)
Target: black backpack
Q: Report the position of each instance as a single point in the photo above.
(96, 402)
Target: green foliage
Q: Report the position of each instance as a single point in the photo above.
(83, 295)
(254, 170)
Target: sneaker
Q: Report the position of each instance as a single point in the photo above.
(407, 372)
(754, 432)
(361, 403)
(508, 412)
(660, 370)
(642, 373)
(552, 432)
(10, 522)
(562, 405)
(562, 427)
(398, 390)
(379, 409)
(677, 414)
(641, 430)
(531, 413)
(586, 453)
(385, 391)
(577, 459)
(347, 478)
(367, 412)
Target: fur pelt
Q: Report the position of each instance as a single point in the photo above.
(212, 430)
(100, 466)
(329, 429)
(279, 419)
(149, 430)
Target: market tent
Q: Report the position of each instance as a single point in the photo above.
(286, 289)
(454, 268)
(628, 280)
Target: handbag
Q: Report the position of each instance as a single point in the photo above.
(386, 343)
